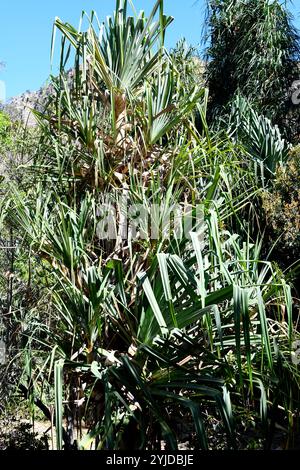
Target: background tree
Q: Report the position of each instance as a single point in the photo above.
(253, 48)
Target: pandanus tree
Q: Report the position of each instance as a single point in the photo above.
(124, 96)
(119, 111)
(141, 333)
(253, 49)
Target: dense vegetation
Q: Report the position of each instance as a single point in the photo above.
(154, 339)
(254, 50)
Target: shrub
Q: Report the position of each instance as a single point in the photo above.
(17, 435)
(282, 210)
(5, 125)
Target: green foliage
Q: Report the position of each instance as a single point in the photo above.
(131, 337)
(5, 126)
(282, 210)
(262, 140)
(254, 49)
(19, 436)
(189, 65)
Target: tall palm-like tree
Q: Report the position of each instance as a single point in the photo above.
(254, 49)
(142, 332)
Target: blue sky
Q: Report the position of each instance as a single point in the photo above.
(26, 27)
